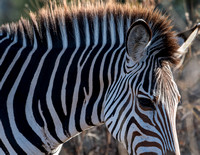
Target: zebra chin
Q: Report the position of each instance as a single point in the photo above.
(152, 149)
(158, 152)
(141, 138)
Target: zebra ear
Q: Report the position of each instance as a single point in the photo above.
(186, 38)
(138, 36)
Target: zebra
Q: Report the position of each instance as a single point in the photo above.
(69, 68)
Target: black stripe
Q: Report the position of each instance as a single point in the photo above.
(3, 147)
(6, 125)
(64, 60)
(43, 82)
(125, 104)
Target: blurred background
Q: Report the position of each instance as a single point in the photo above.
(97, 141)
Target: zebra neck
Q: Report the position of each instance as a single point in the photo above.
(62, 77)
(96, 62)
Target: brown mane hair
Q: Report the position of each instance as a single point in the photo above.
(53, 14)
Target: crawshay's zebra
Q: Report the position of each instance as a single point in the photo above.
(73, 67)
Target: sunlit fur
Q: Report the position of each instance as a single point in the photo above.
(66, 70)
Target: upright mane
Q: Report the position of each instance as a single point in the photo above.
(52, 16)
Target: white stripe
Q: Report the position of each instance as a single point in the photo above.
(54, 115)
(163, 129)
(124, 129)
(128, 23)
(122, 117)
(104, 41)
(20, 139)
(113, 41)
(120, 30)
(142, 138)
(13, 62)
(121, 89)
(146, 125)
(83, 123)
(168, 126)
(150, 114)
(147, 66)
(141, 150)
(118, 118)
(96, 39)
(158, 123)
(150, 78)
(1, 152)
(7, 36)
(65, 45)
(6, 141)
(113, 93)
(29, 111)
(72, 127)
(115, 101)
(5, 53)
(7, 49)
(48, 140)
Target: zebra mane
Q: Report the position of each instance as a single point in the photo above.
(51, 16)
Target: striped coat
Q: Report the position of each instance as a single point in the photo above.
(69, 68)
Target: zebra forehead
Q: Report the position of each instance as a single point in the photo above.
(52, 15)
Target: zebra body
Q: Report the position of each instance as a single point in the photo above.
(68, 70)
(62, 79)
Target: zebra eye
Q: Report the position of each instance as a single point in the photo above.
(146, 103)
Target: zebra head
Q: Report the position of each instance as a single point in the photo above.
(140, 107)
